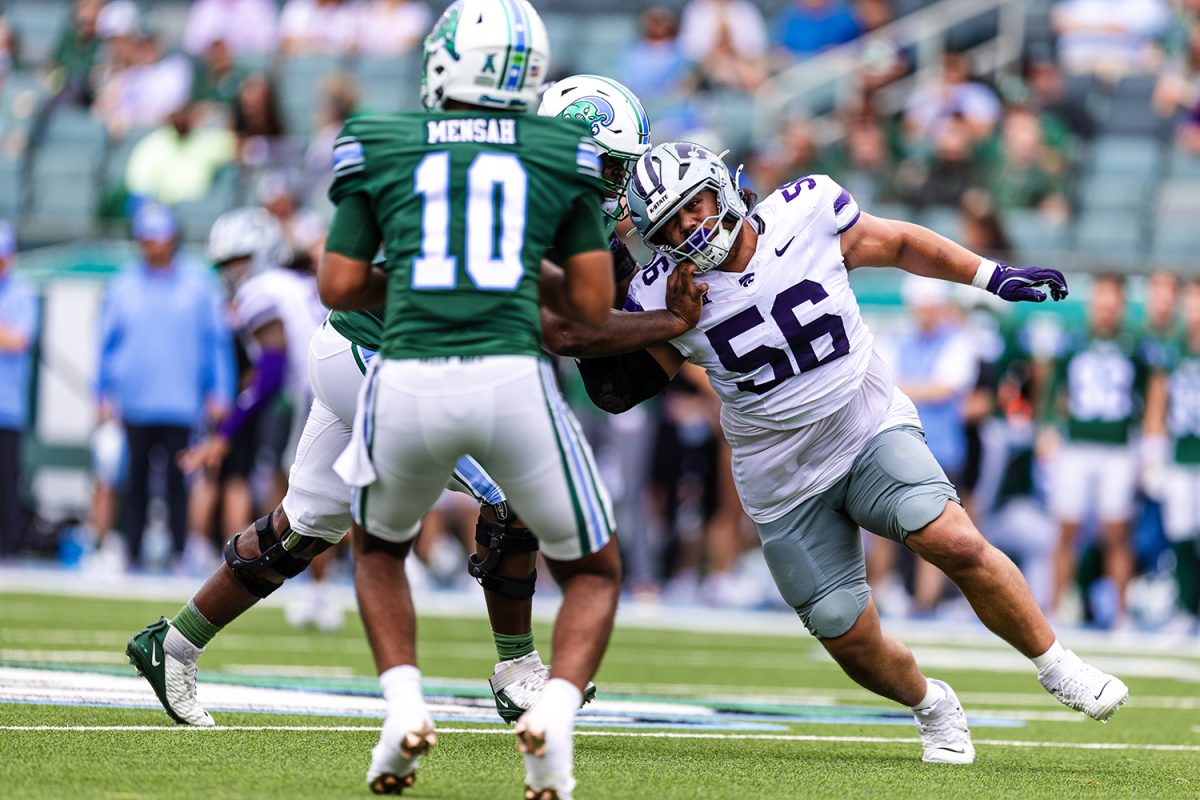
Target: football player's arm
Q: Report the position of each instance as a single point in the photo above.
(617, 384)
(878, 242)
(631, 331)
(584, 293)
(346, 277)
(1155, 424)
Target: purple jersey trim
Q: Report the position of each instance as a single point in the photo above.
(850, 224)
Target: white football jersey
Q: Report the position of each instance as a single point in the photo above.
(785, 347)
(291, 298)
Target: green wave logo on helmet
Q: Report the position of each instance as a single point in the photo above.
(445, 29)
(596, 111)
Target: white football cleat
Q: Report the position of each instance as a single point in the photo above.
(945, 737)
(1082, 687)
(394, 760)
(517, 684)
(169, 665)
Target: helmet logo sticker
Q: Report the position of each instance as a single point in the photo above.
(444, 32)
(596, 111)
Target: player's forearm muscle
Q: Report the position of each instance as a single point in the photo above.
(587, 288)
(624, 332)
(350, 284)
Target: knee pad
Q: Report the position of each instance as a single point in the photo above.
(284, 553)
(500, 538)
(834, 614)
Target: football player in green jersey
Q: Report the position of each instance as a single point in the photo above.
(459, 370)
(1173, 415)
(1096, 394)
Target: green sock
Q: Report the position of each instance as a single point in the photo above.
(510, 646)
(194, 626)
(1187, 574)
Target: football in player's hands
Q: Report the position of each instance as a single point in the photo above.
(1017, 284)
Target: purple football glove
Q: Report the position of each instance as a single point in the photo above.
(1015, 284)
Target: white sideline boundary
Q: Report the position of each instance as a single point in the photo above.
(1168, 748)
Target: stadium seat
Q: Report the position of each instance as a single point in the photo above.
(598, 44)
(1126, 155)
(196, 217)
(942, 219)
(1114, 193)
(1179, 197)
(390, 84)
(70, 126)
(1133, 116)
(1174, 243)
(64, 194)
(1184, 165)
(10, 188)
(37, 24)
(1106, 237)
(299, 81)
(1033, 235)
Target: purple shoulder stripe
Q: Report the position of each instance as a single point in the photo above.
(632, 305)
(841, 202)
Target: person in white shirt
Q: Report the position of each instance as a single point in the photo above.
(1109, 37)
(247, 26)
(393, 27)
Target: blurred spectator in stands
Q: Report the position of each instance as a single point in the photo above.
(178, 161)
(9, 48)
(301, 226)
(935, 363)
(656, 69)
(942, 180)
(18, 328)
(1178, 85)
(152, 88)
(869, 171)
(259, 127)
(795, 152)
(1059, 109)
(216, 80)
(69, 70)
(1109, 38)
(393, 27)
(165, 365)
(982, 230)
(953, 98)
(339, 99)
(329, 27)
(807, 27)
(247, 27)
(1023, 170)
(727, 39)
(1189, 132)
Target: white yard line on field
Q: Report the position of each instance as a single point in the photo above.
(1169, 748)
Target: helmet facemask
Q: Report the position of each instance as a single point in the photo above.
(710, 244)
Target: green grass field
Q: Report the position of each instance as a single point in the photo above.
(681, 715)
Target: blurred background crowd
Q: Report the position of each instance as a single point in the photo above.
(1060, 133)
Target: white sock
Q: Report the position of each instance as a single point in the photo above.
(402, 689)
(1049, 657)
(933, 693)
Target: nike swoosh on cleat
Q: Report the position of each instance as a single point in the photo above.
(154, 662)
(1102, 688)
(779, 251)
(960, 750)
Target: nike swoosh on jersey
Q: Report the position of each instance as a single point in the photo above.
(781, 250)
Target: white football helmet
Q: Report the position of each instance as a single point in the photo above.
(245, 233)
(619, 123)
(664, 180)
(492, 53)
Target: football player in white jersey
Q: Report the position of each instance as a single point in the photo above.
(823, 443)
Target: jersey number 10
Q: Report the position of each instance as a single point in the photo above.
(493, 263)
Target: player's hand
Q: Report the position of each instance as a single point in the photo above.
(206, 456)
(1015, 284)
(685, 297)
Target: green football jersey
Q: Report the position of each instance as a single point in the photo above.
(1105, 380)
(1183, 403)
(363, 328)
(467, 204)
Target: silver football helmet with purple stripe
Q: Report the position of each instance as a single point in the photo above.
(664, 180)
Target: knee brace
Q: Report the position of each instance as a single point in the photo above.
(285, 553)
(499, 538)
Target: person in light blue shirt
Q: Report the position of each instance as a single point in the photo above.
(18, 326)
(166, 365)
